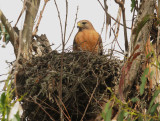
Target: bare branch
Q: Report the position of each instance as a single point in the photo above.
(111, 16)
(108, 18)
(9, 28)
(90, 100)
(40, 17)
(22, 11)
(121, 4)
(73, 26)
(31, 12)
(60, 21)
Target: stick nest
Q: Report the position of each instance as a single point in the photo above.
(82, 72)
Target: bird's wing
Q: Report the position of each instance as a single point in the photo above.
(75, 45)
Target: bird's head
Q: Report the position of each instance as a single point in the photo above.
(84, 24)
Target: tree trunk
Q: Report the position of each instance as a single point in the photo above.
(146, 8)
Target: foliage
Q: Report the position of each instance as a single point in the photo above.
(139, 26)
(126, 110)
(130, 114)
(133, 4)
(4, 34)
(7, 102)
(107, 112)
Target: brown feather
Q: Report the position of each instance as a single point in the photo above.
(87, 39)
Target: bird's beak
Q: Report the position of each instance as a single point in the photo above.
(79, 25)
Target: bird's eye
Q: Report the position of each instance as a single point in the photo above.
(84, 22)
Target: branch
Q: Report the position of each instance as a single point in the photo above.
(108, 18)
(121, 4)
(60, 21)
(9, 28)
(73, 26)
(13, 35)
(40, 17)
(111, 16)
(31, 12)
(22, 11)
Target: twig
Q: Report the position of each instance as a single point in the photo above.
(60, 21)
(117, 51)
(63, 47)
(10, 30)
(40, 17)
(69, 118)
(103, 25)
(73, 26)
(133, 17)
(22, 11)
(89, 100)
(121, 4)
(117, 40)
(108, 18)
(42, 109)
(111, 16)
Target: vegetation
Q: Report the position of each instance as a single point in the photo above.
(77, 86)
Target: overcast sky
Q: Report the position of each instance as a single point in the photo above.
(88, 9)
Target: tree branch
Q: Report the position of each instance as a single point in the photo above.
(13, 35)
(31, 12)
(121, 4)
(40, 17)
(111, 16)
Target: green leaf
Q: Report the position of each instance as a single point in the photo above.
(153, 99)
(140, 118)
(153, 109)
(133, 4)
(143, 79)
(121, 116)
(134, 99)
(107, 112)
(129, 119)
(139, 26)
(3, 99)
(17, 116)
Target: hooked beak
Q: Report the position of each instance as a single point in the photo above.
(79, 25)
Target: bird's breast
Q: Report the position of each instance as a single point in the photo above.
(87, 40)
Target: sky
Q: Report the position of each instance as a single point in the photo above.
(88, 10)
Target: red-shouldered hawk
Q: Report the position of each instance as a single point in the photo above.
(87, 39)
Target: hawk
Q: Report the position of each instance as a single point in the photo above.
(87, 39)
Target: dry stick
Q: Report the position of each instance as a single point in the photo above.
(117, 40)
(111, 16)
(90, 100)
(14, 38)
(61, 76)
(9, 28)
(118, 19)
(22, 11)
(133, 17)
(63, 46)
(108, 19)
(103, 25)
(121, 4)
(62, 109)
(116, 27)
(73, 26)
(69, 118)
(42, 109)
(59, 18)
(40, 17)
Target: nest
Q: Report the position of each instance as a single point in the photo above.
(81, 72)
